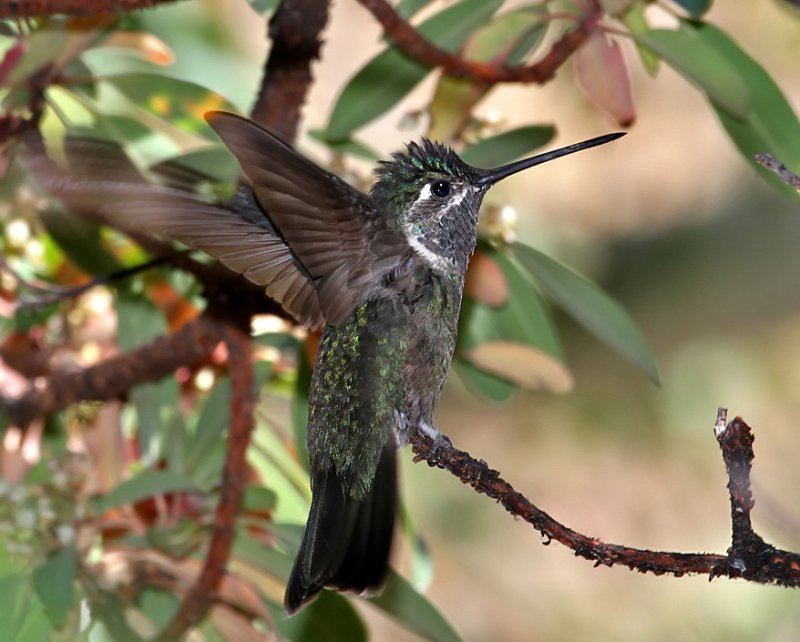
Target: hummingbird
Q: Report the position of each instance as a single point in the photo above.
(381, 273)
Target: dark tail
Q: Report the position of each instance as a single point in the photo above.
(346, 542)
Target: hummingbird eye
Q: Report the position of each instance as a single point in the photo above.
(440, 188)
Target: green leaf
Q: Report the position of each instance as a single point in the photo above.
(345, 146)
(258, 498)
(636, 22)
(80, 241)
(407, 8)
(484, 383)
(144, 485)
(691, 53)
(139, 321)
(215, 162)
(696, 8)
(54, 582)
(508, 146)
(180, 102)
(515, 340)
(390, 76)
(771, 125)
(413, 611)
(329, 618)
(591, 307)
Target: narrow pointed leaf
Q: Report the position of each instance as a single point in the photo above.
(54, 581)
(590, 306)
(413, 611)
(690, 52)
(503, 148)
(144, 485)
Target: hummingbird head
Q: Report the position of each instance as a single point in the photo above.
(436, 197)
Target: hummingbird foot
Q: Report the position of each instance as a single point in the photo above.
(440, 441)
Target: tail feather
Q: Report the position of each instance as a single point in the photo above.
(346, 542)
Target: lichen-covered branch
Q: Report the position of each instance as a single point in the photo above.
(749, 556)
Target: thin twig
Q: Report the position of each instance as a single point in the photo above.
(788, 177)
(406, 38)
(204, 593)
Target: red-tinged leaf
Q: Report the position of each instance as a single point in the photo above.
(146, 45)
(485, 281)
(522, 364)
(10, 60)
(603, 76)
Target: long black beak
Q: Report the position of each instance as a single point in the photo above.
(499, 173)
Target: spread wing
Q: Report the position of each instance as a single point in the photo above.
(330, 227)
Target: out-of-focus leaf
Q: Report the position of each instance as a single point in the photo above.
(521, 329)
(215, 162)
(413, 611)
(407, 8)
(508, 146)
(421, 561)
(180, 102)
(771, 125)
(138, 322)
(485, 281)
(329, 618)
(80, 241)
(144, 485)
(616, 7)
(345, 146)
(300, 408)
(507, 39)
(388, 77)
(689, 50)
(527, 366)
(484, 383)
(603, 76)
(696, 8)
(258, 498)
(22, 612)
(146, 45)
(54, 582)
(522, 319)
(636, 22)
(591, 307)
(40, 48)
(264, 7)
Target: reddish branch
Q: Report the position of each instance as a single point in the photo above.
(114, 377)
(204, 593)
(406, 38)
(294, 31)
(33, 8)
(749, 556)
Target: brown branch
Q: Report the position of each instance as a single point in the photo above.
(749, 557)
(34, 8)
(295, 34)
(114, 377)
(204, 593)
(406, 38)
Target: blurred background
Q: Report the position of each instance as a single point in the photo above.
(673, 223)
